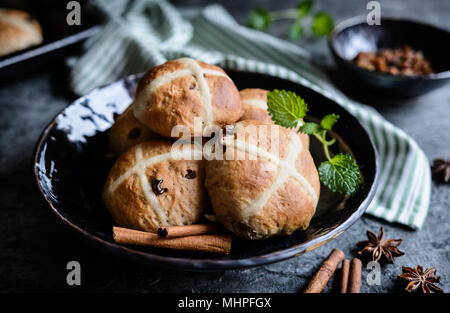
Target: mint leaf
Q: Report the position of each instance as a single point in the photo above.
(295, 31)
(310, 128)
(303, 8)
(286, 108)
(328, 121)
(259, 18)
(341, 174)
(322, 24)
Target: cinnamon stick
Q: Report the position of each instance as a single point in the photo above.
(121, 235)
(345, 268)
(325, 272)
(189, 230)
(206, 243)
(354, 278)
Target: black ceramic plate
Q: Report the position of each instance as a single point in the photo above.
(354, 35)
(71, 164)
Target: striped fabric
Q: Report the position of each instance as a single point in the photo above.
(141, 34)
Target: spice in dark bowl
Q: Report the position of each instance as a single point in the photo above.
(399, 58)
(400, 61)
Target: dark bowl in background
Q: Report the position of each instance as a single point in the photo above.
(354, 35)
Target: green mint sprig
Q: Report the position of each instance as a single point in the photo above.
(339, 173)
(286, 108)
(321, 23)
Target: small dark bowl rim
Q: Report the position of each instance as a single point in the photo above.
(361, 19)
(205, 264)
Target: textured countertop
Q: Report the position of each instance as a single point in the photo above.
(35, 247)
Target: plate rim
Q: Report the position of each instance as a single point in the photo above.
(204, 264)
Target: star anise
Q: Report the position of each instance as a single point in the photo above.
(380, 247)
(441, 169)
(416, 278)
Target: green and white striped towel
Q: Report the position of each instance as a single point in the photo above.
(142, 33)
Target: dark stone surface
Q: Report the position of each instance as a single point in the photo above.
(35, 247)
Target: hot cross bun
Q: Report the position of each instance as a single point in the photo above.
(127, 132)
(254, 102)
(152, 186)
(271, 187)
(18, 30)
(177, 91)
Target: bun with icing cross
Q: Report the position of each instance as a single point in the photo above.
(151, 186)
(271, 187)
(177, 91)
(127, 132)
(254, 102)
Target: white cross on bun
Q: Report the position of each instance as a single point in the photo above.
(149, 187)
(177, 91)
(127, 132)
(18, 30)
(254, 102)
(275, 194)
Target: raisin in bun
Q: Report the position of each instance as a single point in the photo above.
(149, 187)
(177, 91)
(18, 30)
(270, 188)
(254, 102)
(127, 132)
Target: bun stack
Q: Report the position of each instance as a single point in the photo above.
(266, 190)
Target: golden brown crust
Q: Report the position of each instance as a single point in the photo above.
(163, 69)
(237, 188)
(182, 203)
(127, 132)
(18, 30)
(172, 94)
(254, 102)
(164, 114)
(227, 108)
